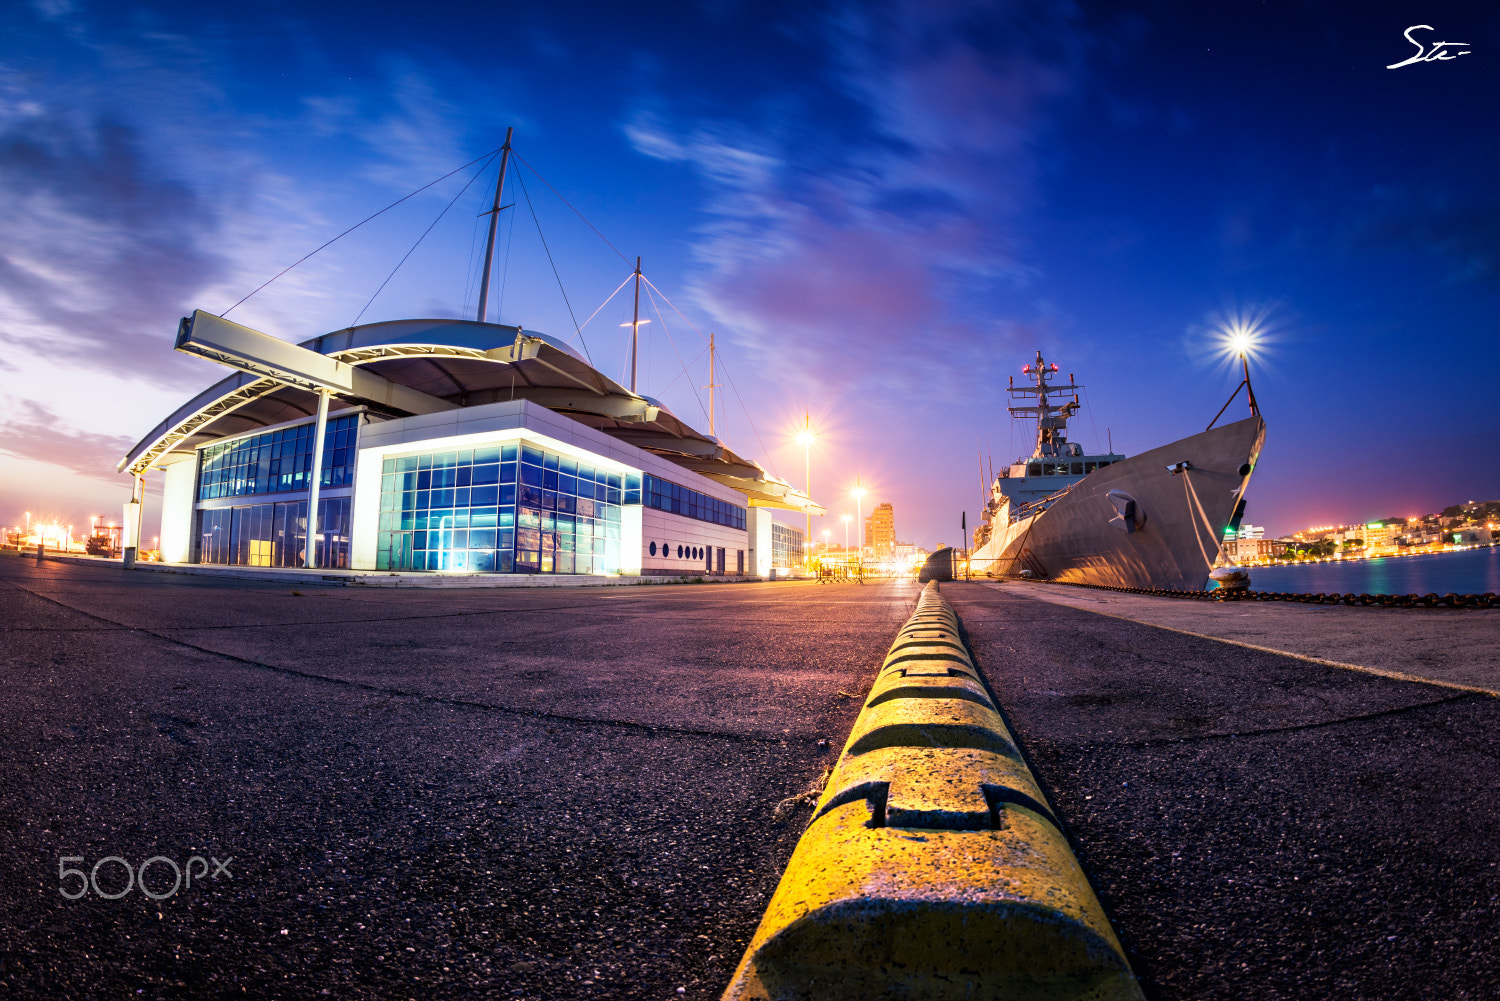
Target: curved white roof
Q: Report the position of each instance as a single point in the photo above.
(451, 363)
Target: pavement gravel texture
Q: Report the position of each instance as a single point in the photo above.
(1258, 825)
(512, 793)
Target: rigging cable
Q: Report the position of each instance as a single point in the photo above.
(571, 315)
(357, 225)
(414, 246)
(510, 234)
(658, 291)
(750, 420)
(1090, 408)
(469, 276)
(608, 298)
(569, 204)
(652, 299)
(684, 372)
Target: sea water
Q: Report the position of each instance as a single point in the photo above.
(1468, 571)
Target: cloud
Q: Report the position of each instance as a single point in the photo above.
(32, 431)
(134, 187)
(97, 243)
(883, 224)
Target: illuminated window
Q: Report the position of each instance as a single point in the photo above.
(501, 509)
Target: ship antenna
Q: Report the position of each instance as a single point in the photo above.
(494, 214)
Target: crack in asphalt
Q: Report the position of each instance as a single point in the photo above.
(402, 693)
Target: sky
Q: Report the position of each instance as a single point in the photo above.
(881, 210)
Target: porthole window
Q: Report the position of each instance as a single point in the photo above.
(679, 552)
(653, 549)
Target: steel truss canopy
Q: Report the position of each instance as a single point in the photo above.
(402, 368)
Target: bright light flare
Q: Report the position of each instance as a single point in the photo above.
(1242, 334)
(806, 438)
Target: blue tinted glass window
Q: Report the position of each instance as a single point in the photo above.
(463, 519)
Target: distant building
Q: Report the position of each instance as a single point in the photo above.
(880, 535)
(1253, 550)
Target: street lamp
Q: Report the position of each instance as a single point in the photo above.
(805, 438)
(859, 502)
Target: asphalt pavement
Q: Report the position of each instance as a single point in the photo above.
(1259, 824)
(414, 794)
(573, 793)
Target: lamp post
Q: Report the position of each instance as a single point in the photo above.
(846, 538)
(805, 438)
(859, 502)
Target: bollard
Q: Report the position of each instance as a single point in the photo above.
(933, 866)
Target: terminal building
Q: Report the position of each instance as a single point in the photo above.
(445, 446)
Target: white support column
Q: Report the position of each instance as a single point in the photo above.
(131, 523)
(310, 555)
(758, 528)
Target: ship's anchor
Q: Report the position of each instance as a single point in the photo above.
(1128, 514)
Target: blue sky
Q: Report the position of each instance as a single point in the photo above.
(881, 209)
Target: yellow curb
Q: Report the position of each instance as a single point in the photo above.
(933, 866)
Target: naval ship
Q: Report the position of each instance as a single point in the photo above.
(1153, 520)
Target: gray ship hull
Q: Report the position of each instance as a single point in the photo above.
(1174, 527)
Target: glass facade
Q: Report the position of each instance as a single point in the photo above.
(664, 495)
(786, 546)
(274, 534)
(277, 461)
(505, 508)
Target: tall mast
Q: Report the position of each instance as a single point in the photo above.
(635, 323)
(494, 214)
(712, 385)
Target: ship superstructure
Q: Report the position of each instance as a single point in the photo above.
(1055, 462)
